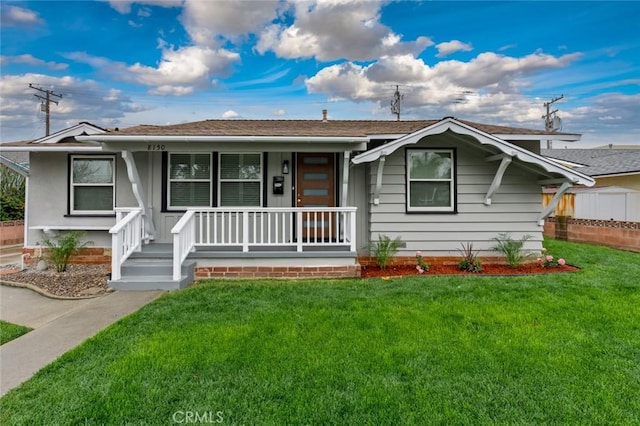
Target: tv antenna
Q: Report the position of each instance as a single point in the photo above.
(395, 103)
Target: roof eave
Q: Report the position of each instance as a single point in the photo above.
(563, 137)
(483, 138)
(247, 139)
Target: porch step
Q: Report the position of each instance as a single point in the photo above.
(152, 274)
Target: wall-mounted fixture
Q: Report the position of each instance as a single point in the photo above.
(285, 167)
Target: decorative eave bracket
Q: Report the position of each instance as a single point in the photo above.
(138, 192)
(551, 207)
(505, 160)
(376, 195)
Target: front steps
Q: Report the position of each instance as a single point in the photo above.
(151, 269)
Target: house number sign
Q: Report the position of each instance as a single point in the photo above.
(155, 147)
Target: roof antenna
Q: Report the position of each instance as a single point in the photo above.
(395, 103)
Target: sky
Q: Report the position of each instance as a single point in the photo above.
(121, 63)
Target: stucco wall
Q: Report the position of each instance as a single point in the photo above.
(48, 195)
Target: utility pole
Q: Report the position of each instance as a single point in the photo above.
(395, 103)
(46, 103)
(548, 124)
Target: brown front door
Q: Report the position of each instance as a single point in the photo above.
(315, 187)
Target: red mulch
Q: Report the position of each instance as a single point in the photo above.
(529, 269)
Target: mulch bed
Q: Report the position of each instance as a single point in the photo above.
(77, 281)
(528, 269)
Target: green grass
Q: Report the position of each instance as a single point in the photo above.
(555, 349)
(9, 331)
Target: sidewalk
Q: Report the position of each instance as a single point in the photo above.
(59, 325)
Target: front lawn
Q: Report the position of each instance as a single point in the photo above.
(560, 349)
(9, 331)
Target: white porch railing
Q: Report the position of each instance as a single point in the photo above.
(184, 234)
(126, 237)
(252, 227)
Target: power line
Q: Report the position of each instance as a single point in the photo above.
(46, 103)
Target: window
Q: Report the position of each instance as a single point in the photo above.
(430, 180)
(240, 180)
(92, 184)
(189, 180)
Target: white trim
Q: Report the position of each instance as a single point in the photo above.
(220, 180)
(40, 148)
(83, 128)
(497, 179)
(483, 138)
(345, 177)
(171, 207)
(73, 185)
(551, 207)
(563, 137)
(379, 172)
(245, 139)
(451, 180)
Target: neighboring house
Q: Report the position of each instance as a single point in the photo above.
(16, 161)
(287, 197)
(608, 166)
(616, 171)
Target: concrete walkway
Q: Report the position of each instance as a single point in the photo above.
(59, 325)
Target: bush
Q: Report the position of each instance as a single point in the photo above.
(470, 261)
(63, 248)
(512, 249)
(12, 190)
(384, 249)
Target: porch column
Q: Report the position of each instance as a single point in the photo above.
(345, 177)
(138, 192)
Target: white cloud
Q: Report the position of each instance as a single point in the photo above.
(124, 6)
(489, 86)
(31, 60)
(452, 46)
(178, 73)
(207, 21)
(336, 29)
(279, 113)
(82, 100)
(13, 16)
(229, 115)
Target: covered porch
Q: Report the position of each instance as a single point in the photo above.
(234, 242)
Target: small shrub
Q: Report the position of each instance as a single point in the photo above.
(421, 264)
(470, 261)
(384, 249)
(63, 248)
(512, 249)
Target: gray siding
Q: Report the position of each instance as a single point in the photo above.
(515, 207)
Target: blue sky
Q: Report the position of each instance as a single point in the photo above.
(123, 63)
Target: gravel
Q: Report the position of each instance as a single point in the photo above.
(76, 281)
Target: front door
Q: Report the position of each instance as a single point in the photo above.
(315, 187)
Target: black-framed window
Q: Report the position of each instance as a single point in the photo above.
(92, 186)
(240, 179)
(430, 180)
(189, 180)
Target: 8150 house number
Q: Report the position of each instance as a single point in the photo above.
(155, 147)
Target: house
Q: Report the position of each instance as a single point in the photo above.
(616, 193)
(286, 197)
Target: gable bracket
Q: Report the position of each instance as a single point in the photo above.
(376, 195)
(497, 179)
(138, 192)
(554, 202)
